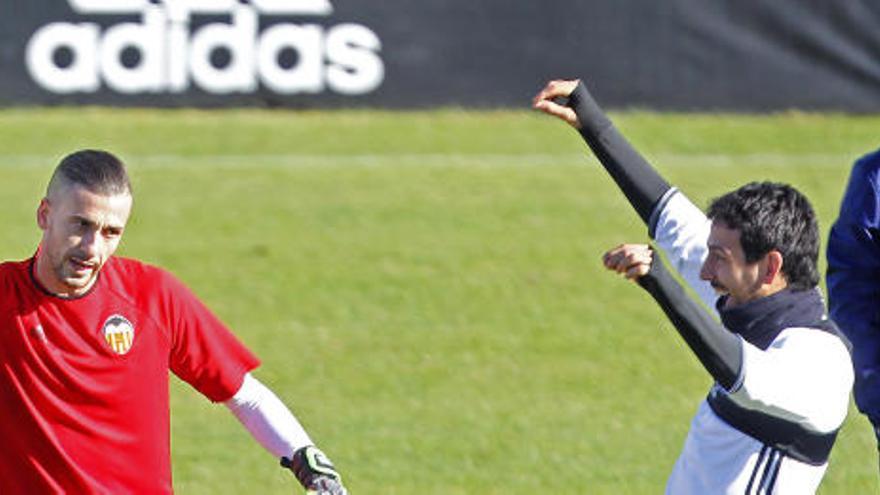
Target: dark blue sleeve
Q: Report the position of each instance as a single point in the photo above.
(853, 277)
(719, 350)
(639, 181)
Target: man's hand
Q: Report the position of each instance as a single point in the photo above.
(326, 486)
(543, 101)
(631, 260)
(315, 471)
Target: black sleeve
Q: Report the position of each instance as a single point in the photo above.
(718, 349)
(642, 185)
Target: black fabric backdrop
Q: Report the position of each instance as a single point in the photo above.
(733, 55)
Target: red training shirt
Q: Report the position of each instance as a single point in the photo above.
(84, 381)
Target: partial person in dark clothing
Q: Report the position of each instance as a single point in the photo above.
(853, 280)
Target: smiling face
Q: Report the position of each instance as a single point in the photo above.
(729, 273)
(81, 230)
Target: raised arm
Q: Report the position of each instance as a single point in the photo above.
(680, 228)
(639, 181)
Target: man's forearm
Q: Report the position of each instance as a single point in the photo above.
(642, 185)
(719, 350)
(267, 419)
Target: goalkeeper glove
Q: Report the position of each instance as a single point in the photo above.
(315, 471)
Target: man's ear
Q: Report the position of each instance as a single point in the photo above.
(43, 214)
(772, 267)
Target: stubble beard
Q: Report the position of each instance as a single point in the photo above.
(66, 272)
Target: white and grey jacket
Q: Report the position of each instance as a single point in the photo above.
(782, 371)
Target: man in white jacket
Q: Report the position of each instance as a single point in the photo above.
(782, 370)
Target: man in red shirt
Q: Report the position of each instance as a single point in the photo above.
(86, 343)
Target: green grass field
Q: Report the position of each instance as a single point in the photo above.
(425, 289)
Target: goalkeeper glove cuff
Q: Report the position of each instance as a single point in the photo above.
(314, 471)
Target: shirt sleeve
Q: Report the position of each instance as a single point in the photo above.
(681, 232)
(267, 419)
(204, 353)
(805, 377)
(637, 179)
(719, 350)
(679, 227)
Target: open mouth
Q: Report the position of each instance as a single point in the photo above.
(718, 287)
(80, 266)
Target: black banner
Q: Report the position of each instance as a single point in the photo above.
(758, 55)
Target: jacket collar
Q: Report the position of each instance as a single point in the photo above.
(759, 322)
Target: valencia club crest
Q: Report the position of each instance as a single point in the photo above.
(119, 334)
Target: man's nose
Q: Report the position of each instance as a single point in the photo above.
(706, 271)
(91, 244)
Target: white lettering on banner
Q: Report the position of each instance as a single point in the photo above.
(80, 75)
(111, 7)
(237, 39)
(146, 38)
(180, 9)
(306, 76)
(161, 54)
(356, 68)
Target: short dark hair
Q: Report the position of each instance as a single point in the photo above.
(98, 171)
(773, 216)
